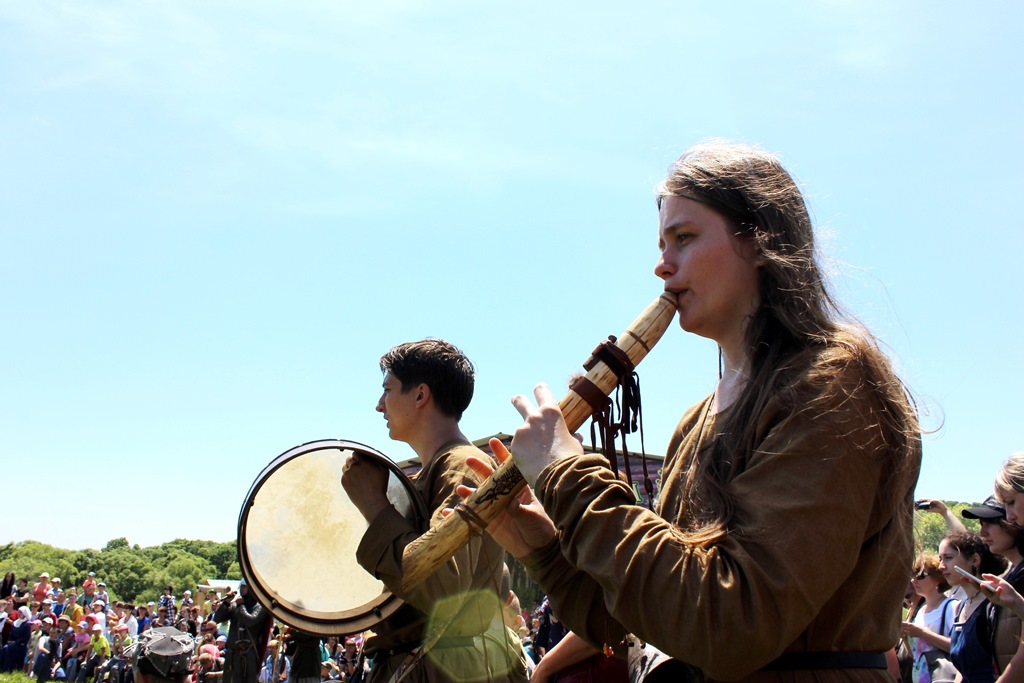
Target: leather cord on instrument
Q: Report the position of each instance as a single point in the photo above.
(611, 355)
(604, 424)
(476, 522)
(608, 427)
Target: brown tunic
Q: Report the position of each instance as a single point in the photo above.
(467, 584)
(817, 555)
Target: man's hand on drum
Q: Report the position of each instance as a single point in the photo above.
(544, 437)
(523, 526)
(366, 484)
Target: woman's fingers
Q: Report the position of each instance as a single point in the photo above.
(523, 405)
(543, 395)
(499, 450)
(542, 392)
(480, 466)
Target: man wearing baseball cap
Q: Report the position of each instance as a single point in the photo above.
(161, 655)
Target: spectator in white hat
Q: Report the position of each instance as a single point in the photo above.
(99, 652)
(99, 612)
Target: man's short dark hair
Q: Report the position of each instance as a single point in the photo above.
(439, 365)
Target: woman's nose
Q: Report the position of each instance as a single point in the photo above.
(663, 268)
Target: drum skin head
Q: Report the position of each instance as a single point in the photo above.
(297, 538)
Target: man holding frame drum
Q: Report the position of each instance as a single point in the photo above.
(428, 384)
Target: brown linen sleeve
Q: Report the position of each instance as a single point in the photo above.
(810, 537)
(474, 567)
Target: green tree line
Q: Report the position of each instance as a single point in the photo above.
(930, 527)
(132, 573)
(136, 574)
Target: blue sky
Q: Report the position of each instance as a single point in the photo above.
(217, 215)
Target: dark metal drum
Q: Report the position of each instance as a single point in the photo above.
(297, 538)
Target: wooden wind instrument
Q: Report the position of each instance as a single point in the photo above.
(427, 553)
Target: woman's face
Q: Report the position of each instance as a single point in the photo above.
(713, 273)
(1014, 502)
(925, 583)
(998, 539)
(950, 557)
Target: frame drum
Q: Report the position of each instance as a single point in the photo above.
(297, 538)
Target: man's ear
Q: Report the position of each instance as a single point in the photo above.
(422, 395)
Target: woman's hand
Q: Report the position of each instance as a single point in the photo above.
(909, 628)
(540, 673)
(523, 526)
(934, 505)
(544, 437)
(1000, 592)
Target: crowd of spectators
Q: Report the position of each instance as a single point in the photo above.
(84, 636)
(958, 628)
(81, 635)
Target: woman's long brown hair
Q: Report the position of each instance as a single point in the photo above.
(798, 331)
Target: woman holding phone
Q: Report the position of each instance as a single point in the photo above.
(807, 433)
(1005, 540)
(968, 652)
(1001, 592)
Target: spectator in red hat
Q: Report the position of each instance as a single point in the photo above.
(88, 591)
(120, 638)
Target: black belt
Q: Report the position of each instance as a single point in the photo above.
(800, 661)
(241, 646)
